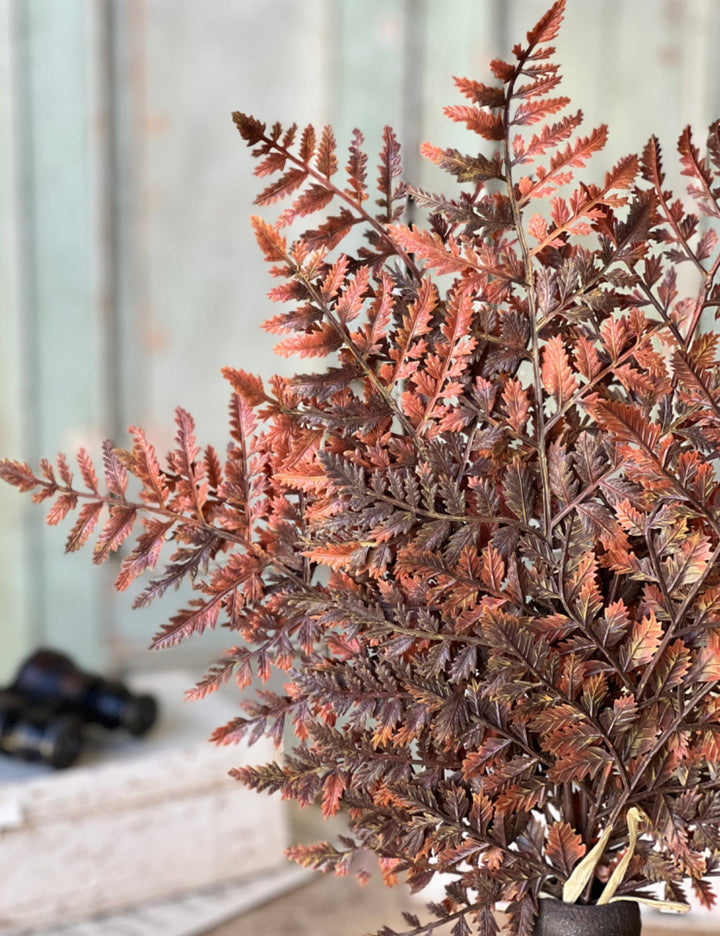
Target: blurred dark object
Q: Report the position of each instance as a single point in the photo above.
(52, 676)
(37, 731)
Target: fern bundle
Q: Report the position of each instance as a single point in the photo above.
(482, 542)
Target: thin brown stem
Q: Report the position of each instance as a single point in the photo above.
(622, 801)
(325, 182)
(361, 361)
(540, 431)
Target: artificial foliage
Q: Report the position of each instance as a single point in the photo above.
(481, 537)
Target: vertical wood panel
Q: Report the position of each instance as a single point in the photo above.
(368, 62)
(13, 510)
(60, 357)
(193, 282)
(131, 211)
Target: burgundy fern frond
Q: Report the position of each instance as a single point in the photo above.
(115, 473)
(389, 180)
(480, 539)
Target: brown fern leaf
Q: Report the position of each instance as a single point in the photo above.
(146, 553)
(83, 527)
(557, 375)
(548, 26)
(389, 170)
(357, 169)
(116, 530)
(115, 474)
(479, 539)
(488, 126)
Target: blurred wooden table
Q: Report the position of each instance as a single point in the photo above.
(327, 906)
(339, 906)
(330, 906)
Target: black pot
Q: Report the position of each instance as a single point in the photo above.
(556, 918)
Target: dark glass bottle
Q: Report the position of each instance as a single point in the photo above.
(36, 731)
(53, 676)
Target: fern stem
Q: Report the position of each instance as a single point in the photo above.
(669, 607)
(602, 375)
(676, 618)
(573, 506)
(622, 802)
(532, 307)
(325, 182)
(585, 631)
(681, 239)
(596, 800)
(111, 500)
(361, 361)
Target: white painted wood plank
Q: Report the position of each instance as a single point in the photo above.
(366, 68)
(189, 915)
(13, 509)
(194, 284)
(460, 42)
(60, 355)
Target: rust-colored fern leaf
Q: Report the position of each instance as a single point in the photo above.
(480, 536)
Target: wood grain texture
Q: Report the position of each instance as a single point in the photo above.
(13, 513)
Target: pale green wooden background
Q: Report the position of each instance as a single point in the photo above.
(128, 274)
